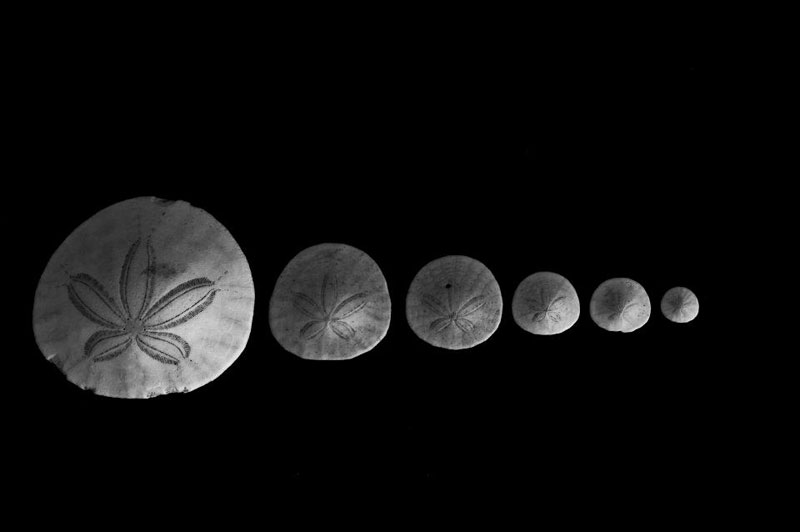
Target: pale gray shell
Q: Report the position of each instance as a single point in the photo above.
(620, 305)
(680, 305)
(454, 302)
(330, 302)
(146, 297)
(545, 303)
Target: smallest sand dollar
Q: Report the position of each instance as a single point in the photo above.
(454, 302)
(680, 305)
(620, 305)
(545, 303)
(330, 303)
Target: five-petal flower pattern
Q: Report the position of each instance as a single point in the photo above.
(544, 311)
(134, 320)
(329, 312)
(451, 315)
(680, 305)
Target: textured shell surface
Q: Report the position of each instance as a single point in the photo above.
(146, 297)
(454, 302)
(680, 305)
(331, 302)
(620, 305)
(545, 303)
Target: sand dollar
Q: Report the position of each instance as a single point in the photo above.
(545, 303)
(680, 305)
(330, 303)
(620, 305)
(146, 297)
(454, 302)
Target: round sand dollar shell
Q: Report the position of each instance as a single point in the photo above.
(680, 305)
(147, 297)
(454, 302)
(545, 303)
(330, 302)
(620, 305)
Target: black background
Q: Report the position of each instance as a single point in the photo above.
(590, 161)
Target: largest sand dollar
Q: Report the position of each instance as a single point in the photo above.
(454, 302)
(330, 303)
(146, 297)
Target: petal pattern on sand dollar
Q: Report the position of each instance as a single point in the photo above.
(134, 321)
(350, 306)
(449, 315)
(103, 342)
(330, 312)
(342, 330)
(171, 344)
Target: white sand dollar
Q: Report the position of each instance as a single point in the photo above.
(545, 303)
(454, 302)
(146, 297)
(680, 305)
(620, 305)
(330, 302)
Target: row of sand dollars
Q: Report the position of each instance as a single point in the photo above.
(331, 302)
(151, 296)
